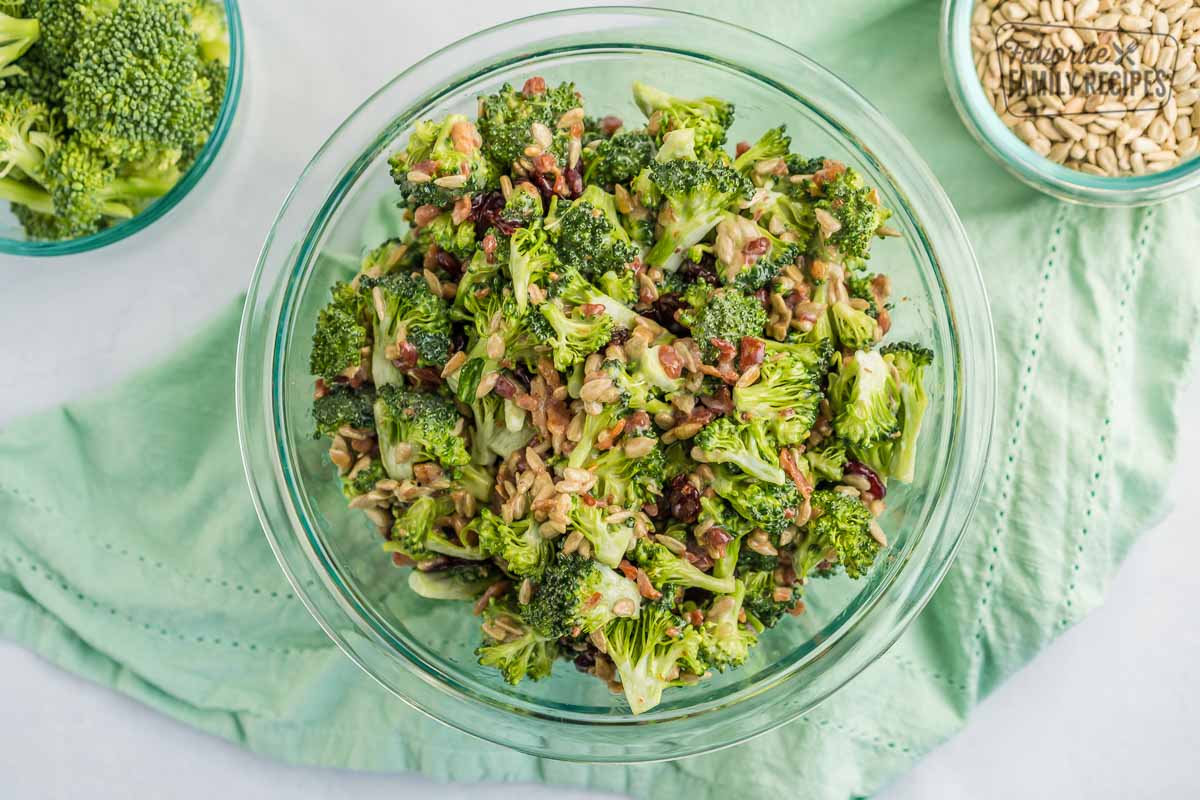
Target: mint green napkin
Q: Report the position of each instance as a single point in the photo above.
(131, 554)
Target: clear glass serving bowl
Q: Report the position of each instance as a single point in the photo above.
(1041, 173)
(12, 235)
(423, 650)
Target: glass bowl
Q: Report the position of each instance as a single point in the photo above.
(1041, 173)
(12, 235)
(422, 650)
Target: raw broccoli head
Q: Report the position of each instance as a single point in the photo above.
(857, 211)
(342, 405)
(506, 120)
(770, 148)
(664, 567)
(523, 206)
(839, 531)
(480, 294)
(523, 652)
(793, 220)
(865, 399)
(695, 196)
(760, 601)
(757, 255)
(650, 652)
(770, 506)
(17, 34)
(340, 335)
(609, 539)
(441, 162)
(578, 595)
(589, 236)
(136, 89)
(746, 445)
(212, 30)
(618, 159)
(709, 117)
(571, 337)
(518, 543)
(629, 482)
(785, 397)
(415, 427)
(407, 314)
(725, 642)
(26, 133)
(725, 314)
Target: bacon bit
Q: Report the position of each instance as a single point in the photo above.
(672, 632)
(757, 247)
(695, 617)
(425, 214)
(627, 569)
(830, 169)
(671, 363)
(724, 348)
(401, 560)
(597, 596)
(716, 539)
(644, 586)
(789, 466)
(466, 139)
(591, 309)
(637, 421)
(427, 376)
(751, 352)
(797, 609)
(611, 125)
(427, 166)
(534, 86)
(462, 210)
(489, 247)
(495, 590)
(741, 147)
(702, 414)
(320, 389)
(719, 401)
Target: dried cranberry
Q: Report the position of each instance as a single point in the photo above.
(610, 125)
(663, 311)
(449, 263)
(619, 336)
(683, 499)
(574, 182)
(862, 470)
(505, 387)
(705, 269)
(585, 661)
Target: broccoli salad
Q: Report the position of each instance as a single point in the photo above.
(104, 105)
(624, 392)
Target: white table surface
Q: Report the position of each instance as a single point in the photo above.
(1108, 711)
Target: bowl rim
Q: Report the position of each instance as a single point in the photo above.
(1002, 144)
(967, 334)
(165, 204)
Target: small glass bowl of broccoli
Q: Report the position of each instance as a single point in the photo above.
(640, 421)
(110, 112)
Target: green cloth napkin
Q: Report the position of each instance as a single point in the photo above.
(132, 556)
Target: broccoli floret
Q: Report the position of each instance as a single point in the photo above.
(619, 159)
(786, 396)
(746, 445)
(709, 117)
(412, 325)
(828, 460)
(609, 540)
(340, 335)
(460, 582)
(629, 482)
(573, 288)
(26, 136)
(416, 533)
(621, 285)
(530, 260)
(695, 196)
(506, 120)
(578, 595)
(571, 338)
(589, 236)
(770, 506)
(342, 405)
(523, 206)
(415, 427)
(792, 220)
(637, 388)
(363, 481)
(492, 436)
(858, 285)
(480, 294)
(16, 36)
(840, 532)
(716, 513)
(650, 652)
(663, 567)
(518, 544)
(441, 162)
(211, 29)
(763, 609)
(909, 361)
(770, 148)
(725, 642)
(856, 209)
(135, 90)
(854, 328)
(753, 256)
(865, 399)
(725, 314)
(457, 240)
(527, 654)
(476, 481)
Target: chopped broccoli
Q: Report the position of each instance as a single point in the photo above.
(518, 544)
(909, 360)
(839, 532)
(573, 288)
(748, 269)
(762, 608)
(507, 117)
(663, 567)
(709, 117)
(340, 335)
(517, 656)
(589, 236)
(724, 314)
(491, 436)
(629, 482)
(26, 134)
(695, 196)
(609, 539)
(417, 426)
(457, 240)
(459, 582)
(578, 595)
(827, 460)
(786, 396)
(412, 325)
(746, 445)
(342, 405)
(441, 162)
(770, 506)
(417, 533)
(531, 259)
(16, 36)
(571, 338)
(618, 159)
(855, 328)
(865, 399)
(771, 148)
(725, 642)
(363, 481)
(650, 651)
(856, 209)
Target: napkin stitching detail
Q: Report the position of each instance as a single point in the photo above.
(1029, 366)
(1102, 466)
